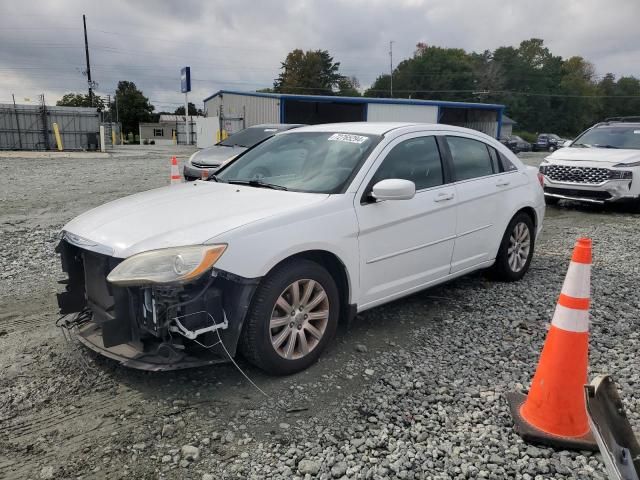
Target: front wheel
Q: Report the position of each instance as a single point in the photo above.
(516, 249)
(293, 315)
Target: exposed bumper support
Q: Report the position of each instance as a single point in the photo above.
(154, 328)
(618, 445)
(577, 199)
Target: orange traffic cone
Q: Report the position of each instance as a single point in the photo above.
(175, 173)
(554, 411)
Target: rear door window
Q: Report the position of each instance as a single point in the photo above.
(471, 158)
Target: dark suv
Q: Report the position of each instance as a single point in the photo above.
(548, 142)
(516, 144)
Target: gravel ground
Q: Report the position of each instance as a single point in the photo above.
(414, 389)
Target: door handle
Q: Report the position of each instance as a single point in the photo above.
(503, 183)
(441, 197)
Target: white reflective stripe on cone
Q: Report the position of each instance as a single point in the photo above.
(570, 319)
(577, 283)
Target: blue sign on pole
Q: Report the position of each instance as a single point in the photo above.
(185, 80)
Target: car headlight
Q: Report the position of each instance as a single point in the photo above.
(543, 168)
(621, 174)
(634, 164)
(166, 266)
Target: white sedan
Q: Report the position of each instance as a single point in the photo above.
(343, 218)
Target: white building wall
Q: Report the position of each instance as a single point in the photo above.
(254, 110)
(207, 131)
(386, 112)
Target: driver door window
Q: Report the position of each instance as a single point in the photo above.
(417, 159)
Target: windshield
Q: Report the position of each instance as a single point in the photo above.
(319, 162)
(249, 137)
(610, 137)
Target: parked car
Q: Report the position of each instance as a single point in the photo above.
(352, 216)
(548, 142)
(516, 144)
(601, 165)
(206, 161)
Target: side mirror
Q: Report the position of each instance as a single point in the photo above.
(567, 143)
(394, 189)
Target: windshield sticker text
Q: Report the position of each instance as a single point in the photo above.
(345, 137)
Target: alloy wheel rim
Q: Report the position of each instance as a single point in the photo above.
(519, 247)
(299, 319)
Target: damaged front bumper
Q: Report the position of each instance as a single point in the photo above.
(154, 328)
(605, 192)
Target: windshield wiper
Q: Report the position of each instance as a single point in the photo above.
(580, 145)
(257, 183)
(604, 146)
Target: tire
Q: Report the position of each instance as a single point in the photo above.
(262, 330)
(552, 148)
(503, 269)
(551, 200)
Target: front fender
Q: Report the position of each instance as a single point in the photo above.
(253, 250)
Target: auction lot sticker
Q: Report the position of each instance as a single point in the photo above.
(345, 137)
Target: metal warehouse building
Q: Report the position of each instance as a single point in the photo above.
(237, 110)
(30, 127)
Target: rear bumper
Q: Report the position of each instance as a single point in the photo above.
(150, 328)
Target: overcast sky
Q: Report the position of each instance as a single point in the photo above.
(239, 44)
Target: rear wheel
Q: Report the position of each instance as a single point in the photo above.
(293, 316)
(516, 249)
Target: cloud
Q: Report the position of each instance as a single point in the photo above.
(239, 44)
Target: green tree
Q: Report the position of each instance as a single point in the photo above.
(81, 100)
(348, 87)
(312, 72)
(579, 105)
(133, 106)
(432, 73)
(192, 110)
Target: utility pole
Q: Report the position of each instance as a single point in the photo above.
(86, 51)
(390, 67)
(117, 113)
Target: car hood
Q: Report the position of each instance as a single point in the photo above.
(185, 214)
(216, 155)
(604, 156)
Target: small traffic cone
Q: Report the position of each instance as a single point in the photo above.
(175, 173)
(554, 411)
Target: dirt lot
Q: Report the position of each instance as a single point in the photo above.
(413, 389)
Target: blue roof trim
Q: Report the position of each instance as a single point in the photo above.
(336, 99)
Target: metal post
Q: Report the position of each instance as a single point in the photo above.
(15, 110)
(391, 68)
(102, 145)
(186, 118)
(86, 51)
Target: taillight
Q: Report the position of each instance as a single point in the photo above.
(541, 179)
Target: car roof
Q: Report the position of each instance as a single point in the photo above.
(616, 123)
(279, 126)
(378, 128)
